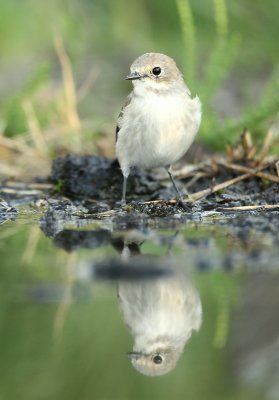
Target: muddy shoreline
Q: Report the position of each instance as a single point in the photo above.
(78, 207)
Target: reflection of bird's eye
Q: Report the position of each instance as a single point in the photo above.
(156, 71)
(157, 359)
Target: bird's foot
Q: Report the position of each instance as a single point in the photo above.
(123, 203)
(120, 204)
(186, 207)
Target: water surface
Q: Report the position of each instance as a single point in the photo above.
(62, 328)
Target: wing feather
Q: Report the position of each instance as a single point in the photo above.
(120, 117)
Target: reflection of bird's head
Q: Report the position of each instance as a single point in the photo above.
(157, 361)
(161, 314)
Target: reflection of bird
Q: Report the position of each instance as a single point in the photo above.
(159, 120)
(161, 315)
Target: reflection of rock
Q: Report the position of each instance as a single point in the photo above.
(55, 221)
(255, 335)
(161, 315)
(59, 215)
(7, 212)
(99, 178)
(71, 240)
(137, 270)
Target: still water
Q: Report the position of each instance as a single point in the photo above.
(128, 307)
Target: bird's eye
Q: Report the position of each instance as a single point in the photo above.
(156, 71)
(157, 359)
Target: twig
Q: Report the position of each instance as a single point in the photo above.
(254, 172)
(101, 214)
(173, 201)
(23, 185)
(250, 208)
(21, 192)
(206, 192)
(194, 179)
(184, 171)
(190, 170)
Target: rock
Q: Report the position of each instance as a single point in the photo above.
(99, 178)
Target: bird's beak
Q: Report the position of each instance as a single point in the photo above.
(133, 355)
(132, 76)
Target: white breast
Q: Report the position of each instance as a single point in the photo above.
(170, 308)
(157, 129)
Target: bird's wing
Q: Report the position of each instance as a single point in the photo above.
(120, 117)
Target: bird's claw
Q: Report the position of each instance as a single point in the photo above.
(186, 207)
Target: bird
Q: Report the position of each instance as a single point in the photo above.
(161, 315)
(159, 119)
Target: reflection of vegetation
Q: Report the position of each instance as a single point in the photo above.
(76, 348)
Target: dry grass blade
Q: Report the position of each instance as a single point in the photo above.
(263, 207)
(229, 152)
(31, 245)
(247, 145)
(265, 149)
(16, 144)
(87, 85)
(245, 150)
(66, 301)
(34, 127)
(9, 170)
(69, 85)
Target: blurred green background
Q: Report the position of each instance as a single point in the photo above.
(63, 62)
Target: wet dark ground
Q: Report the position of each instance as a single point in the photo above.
(90, 178)
(86, 190)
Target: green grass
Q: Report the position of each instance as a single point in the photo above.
(221, 46)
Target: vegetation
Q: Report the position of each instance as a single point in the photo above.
(64, 62)
(64, 338)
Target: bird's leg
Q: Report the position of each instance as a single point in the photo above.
(179, 196)
(123, 200)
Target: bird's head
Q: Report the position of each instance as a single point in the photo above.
(154, 70)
